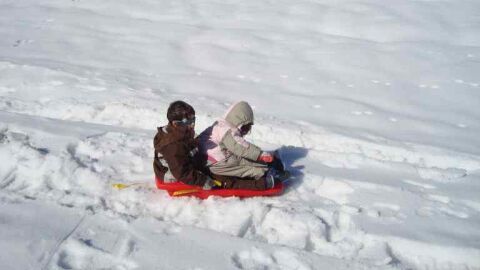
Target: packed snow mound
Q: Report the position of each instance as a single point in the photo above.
(373, 106)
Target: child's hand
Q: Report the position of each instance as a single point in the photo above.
(266, 157)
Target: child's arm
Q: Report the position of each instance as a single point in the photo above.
(240, 147)
(181, 165)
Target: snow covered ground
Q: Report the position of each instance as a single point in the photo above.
(375, 106)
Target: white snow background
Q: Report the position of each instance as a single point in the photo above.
(375, 106)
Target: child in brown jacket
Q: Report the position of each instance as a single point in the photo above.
(175, 144)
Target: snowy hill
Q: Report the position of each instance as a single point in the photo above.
(373, 104)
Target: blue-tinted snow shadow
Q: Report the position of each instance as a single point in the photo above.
(290, 155)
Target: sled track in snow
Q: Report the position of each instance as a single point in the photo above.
(59, 244)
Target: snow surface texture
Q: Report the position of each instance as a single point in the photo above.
(373, 104)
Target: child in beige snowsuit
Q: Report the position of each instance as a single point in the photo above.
(229, 154)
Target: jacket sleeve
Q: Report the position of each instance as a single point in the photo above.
(181, 165)
(240, 147)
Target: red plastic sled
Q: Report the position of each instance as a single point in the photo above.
(177, 189)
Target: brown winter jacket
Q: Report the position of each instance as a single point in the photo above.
(178, 148)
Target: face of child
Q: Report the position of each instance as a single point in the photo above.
(187, 124)
(245, 129)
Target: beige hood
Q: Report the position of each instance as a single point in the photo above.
(239, 114)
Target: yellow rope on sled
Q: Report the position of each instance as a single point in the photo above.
(121, 186)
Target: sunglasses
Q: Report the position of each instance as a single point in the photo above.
(185, 122)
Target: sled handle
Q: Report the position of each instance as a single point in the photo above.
(184, 192)
(121, 186)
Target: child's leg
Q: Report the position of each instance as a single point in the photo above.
(232, 182)
(239, 167)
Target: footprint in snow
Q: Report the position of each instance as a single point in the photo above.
(384, 205)
(378, 82)
(434, 86)
(472, 84)
(453, 213)
(170, 230)
(93, 88)
(418, 184)
(440, 204)
(437, 198)
(83, 254)
(425, 211)
(385, 210)
(362, 112)
(256, 258)
(428, 211)
(442, 175)
(5, 90)
(21, 42)
(56, 83)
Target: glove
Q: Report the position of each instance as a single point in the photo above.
(266, 157)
